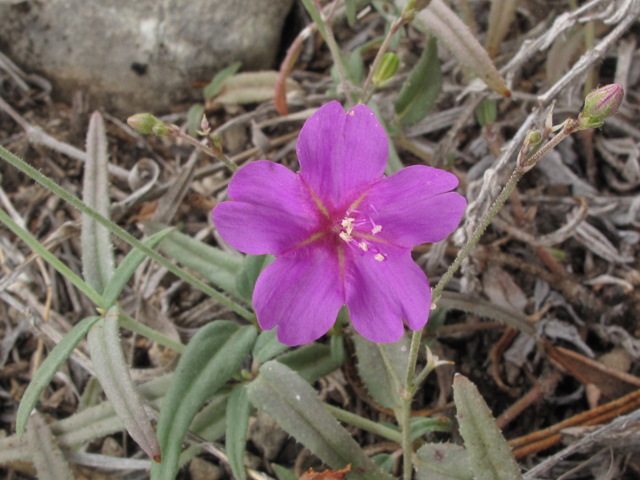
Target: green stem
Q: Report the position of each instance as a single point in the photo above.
(395, 26)
(484, 223)
(406, 438)
(135, 326)
(364, 424)
(413, 359)
(65, 271)
(123, 234)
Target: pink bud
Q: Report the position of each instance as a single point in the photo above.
(600, 104)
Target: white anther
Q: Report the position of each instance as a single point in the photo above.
(345, 236)
(379, 257)
(376, 229)
(363, 246)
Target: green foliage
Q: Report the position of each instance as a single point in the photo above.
(128, 266)
(294, 404)
(443, 461)
(312, 362)
(212, 356)
(213, 89)
(489, 454)
(194, 118)
(48, 369)
(237, 424)
(252, 266)
(420, 92)
(487, 112)
(214, 264)
(112, 370)
(267, 346)
(97, 249)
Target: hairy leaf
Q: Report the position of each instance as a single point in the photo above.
(443, 461)
(489, 454)
(294, 404)
(45, 454)
(97, 250)
(113, 372)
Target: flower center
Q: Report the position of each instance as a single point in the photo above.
(358, 231)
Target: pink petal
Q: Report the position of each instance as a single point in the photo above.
(272, 210)
(301, 293)
(412, 208)
(381, 294)
(341, 154)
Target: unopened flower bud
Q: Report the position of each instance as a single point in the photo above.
(530, 146)
(600, 104)
(387, 69)
(145, 123)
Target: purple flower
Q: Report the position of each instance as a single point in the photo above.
(340, 231)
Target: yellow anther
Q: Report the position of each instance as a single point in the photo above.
(376, 229)
(363, 246)
(379, 257)
(345, 236)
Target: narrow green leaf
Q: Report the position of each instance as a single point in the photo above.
(48, 369)
(210, 423)
(372, 370)
(127, 268)
(421, 426)
(113, 372)
(194, 118)
(252, 266)
(45, 454)
(385, 462)
(311, 362)
(355, 66)
(420, 92)
(443, 461)
(315, 16)
(489, 453)
(212, 356)
(213, 89)
(267, 346)
(97, 249)
(283, 473)
(487, 111)
(294, 404)
(237, 424)
(215, 265)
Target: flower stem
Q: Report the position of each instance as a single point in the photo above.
(123, 234)
(395, 26)
(337, 58)
(364, 423)
(407, 466)
(213, 152)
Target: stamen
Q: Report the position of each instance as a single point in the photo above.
(363, 246)
(379, 257)
(376, 229)
(346, 236)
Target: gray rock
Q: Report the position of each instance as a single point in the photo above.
(139, 55)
